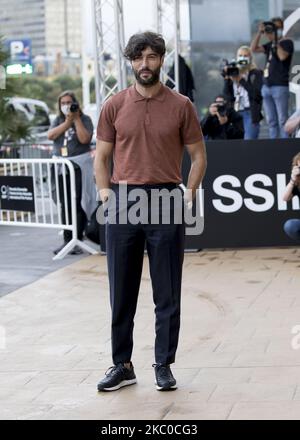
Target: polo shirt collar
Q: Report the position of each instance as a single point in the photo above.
(136, 96)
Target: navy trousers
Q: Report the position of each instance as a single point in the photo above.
(125, 254)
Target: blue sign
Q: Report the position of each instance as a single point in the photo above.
(19, 51)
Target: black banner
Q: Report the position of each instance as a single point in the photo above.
(141, 429)
(243, 189)
(16, 193)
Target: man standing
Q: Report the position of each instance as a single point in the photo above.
(144, 128)
(275, 91)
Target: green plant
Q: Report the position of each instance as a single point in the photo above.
(13, 126)
(48, 89)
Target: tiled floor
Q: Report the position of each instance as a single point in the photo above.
(235, 359)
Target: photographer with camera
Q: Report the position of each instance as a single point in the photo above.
(71, 133)
(242, 87)
(275, 91)
(292, 226)
(222, 121)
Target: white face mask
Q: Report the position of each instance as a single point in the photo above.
(279, 33)
(243, 60)
(65, 109)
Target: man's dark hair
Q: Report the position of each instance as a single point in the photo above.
(139, 42)
(274, 19)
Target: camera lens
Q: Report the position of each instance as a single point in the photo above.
(74, 107)
(221, 109)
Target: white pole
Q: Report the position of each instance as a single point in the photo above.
(119, 42)
(84, 60)
(176, 42)
(96, 57)
(158, 16)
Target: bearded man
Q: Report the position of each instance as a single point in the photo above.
(144, 129)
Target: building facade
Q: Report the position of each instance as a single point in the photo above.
(53, 26)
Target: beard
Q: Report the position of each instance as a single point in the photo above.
(151, 80)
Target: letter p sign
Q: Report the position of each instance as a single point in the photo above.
(16, 48)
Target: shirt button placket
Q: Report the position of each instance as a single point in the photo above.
(147, 116)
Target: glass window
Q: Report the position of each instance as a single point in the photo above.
(219, 28)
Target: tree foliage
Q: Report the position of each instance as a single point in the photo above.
(13, 126)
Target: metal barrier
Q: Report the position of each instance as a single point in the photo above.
(49, 183)
(26, 150)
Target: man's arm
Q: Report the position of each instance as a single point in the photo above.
(292, 124)
(103, 156)
(84, 136)
(255, 46)
(55, 132)
(281, 53)
(197, 154)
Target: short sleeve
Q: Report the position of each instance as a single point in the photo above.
(190, 128)
(55, 122)
(88, 124)
(267, 48)
(105, 129)
(287, 45)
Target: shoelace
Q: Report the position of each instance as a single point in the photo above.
(112, 370)
(164, 370)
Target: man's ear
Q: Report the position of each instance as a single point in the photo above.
(162, 60)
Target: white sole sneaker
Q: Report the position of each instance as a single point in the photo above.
(124, 383)
(173, 387)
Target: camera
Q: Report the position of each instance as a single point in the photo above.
(232, 68)
(270, 27)
(74, 107)
(222, 109)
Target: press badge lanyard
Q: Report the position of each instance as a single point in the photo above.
(267, 68)
(64, 148)
(237, 104)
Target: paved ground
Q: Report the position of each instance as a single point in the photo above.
(235, 359)
(26, 255)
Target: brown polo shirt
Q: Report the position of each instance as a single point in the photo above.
(149, 134)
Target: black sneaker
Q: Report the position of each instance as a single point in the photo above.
(164, 378)
(117, 377)
(56, 251)
(76, 251)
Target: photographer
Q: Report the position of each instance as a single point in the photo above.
(242, 86)
(71, 133)
(279, 52)
(222, 122)
(292, 226)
